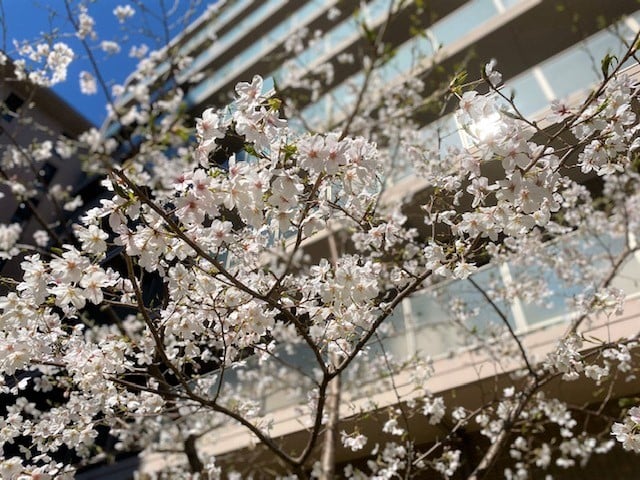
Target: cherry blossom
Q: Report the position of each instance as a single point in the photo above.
(239, 263)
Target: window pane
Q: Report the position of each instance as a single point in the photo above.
(463, 20)
(529, 97)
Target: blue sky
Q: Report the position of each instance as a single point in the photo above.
(31, 19)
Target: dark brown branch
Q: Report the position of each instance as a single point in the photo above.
(504, 319)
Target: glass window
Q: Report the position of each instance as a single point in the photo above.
(223, 43)
(553, 304)
(406, 58)
(452, 27)
(510, 3)
(345, 30)
(579, 67)
(377, 9)
(396, 346)
(434, 331)
(256, 49)
(344, 96)
(570, 72)
(529, 97)
(443, 132)
(395, 321)
(463, 20)
(486, 313)
(316, 113)
(563, 284)
(437, 313)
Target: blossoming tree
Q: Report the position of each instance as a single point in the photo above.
(191, 293)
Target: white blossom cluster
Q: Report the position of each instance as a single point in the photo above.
(628, 432)
(51, 63)
(240, 264)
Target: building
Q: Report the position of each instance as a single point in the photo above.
(37, 164)
(546, 50)
(236, 39)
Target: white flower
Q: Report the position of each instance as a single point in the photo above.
(110, 47)
(11, 468)
(543, 456)
(248, 93)
(72, 204)
(209, 126)
(566, 358)
(448, 463)
(628, 432)
(58, 61)
(67, 295)
(354, 441)
(139, 51)
(93, 282)
(41, 237)
(9, 235)
(333, 14)
(85, 24)
(88, 85)
(459, 413)
(64, 149)
(93, 239)
(463, 269)
(42, 151)
(492, 75)
(123, 12)
(596, 372)
(435, 409)
(391, 426)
